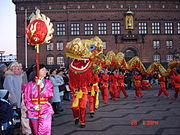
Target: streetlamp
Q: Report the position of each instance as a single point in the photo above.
(1, 53)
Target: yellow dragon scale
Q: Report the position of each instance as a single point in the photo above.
(136, 60)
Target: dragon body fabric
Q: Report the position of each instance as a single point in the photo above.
(87, 57)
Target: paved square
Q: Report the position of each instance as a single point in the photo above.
(149, 115)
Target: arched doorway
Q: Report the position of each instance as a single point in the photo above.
(130, 52)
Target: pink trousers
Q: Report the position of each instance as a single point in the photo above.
(41, 126)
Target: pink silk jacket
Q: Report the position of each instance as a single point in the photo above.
(31, 99)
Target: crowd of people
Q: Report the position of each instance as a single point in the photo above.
(19, 94)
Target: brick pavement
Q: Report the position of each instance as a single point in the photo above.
(116, 117)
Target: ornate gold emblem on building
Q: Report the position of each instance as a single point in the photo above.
(129, 20)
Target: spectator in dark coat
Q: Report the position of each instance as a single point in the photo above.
(6, 114)
(67, 90)
(3, 69)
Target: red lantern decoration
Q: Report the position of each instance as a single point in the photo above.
(36, 32)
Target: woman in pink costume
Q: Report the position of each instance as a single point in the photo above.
(40, 123)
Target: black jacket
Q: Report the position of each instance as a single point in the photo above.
(6, 113)
(1, 79)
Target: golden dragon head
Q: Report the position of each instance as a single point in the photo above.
(83, 51)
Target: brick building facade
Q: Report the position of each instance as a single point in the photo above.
(155, 35)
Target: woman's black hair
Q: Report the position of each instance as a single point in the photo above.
(29, 70)
(52, 70)
(34, 73)
(41, 66)
(60, 70)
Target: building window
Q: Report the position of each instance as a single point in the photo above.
(178, 28)
(156, 44)
(135, 6)
(75, 29)
(50, 47)
(155, 28)
(64, 7)
(60, 46)
(104, 45)
(50, 7)
(121, 6)
(107, 6)
(60, 61)
(22, 8)
(88, 28)
(177, 6)
(116, 28)
(169, 44)
(93, 6)
(101, 28)
(149, 6)
(163, 6)
(156, 57)
(61, 29)
(169, 28)
(169, 57)
(78, 6)
(50, 60)
(142, 28)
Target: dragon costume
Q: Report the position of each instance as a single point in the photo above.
(118, 61)
(86, 63)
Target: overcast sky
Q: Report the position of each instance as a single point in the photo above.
(8, 27)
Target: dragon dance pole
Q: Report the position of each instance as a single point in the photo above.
(39, 31)
(38, 75)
